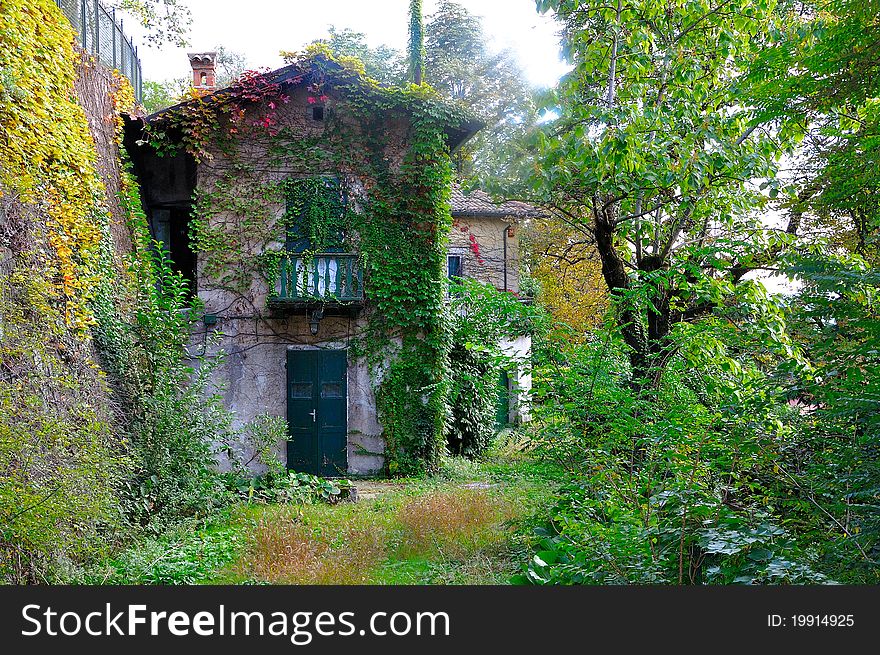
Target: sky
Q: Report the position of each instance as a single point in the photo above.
(268, 26)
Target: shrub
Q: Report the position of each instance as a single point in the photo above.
(481, 317)
(669, 485)
(472, 401)
(289, 487)
(172, 415)
(257, 444)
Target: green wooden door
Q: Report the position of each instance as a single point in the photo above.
(502, 406)
(316, 411)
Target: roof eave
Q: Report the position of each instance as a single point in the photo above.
(459, 135)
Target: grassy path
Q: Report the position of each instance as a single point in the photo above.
(470, 524)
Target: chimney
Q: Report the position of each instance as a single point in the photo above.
(203, 69)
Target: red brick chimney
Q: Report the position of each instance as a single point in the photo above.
(203, 64)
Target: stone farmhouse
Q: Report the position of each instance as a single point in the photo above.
(230, 181)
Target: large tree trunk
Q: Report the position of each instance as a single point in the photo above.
(646, 333)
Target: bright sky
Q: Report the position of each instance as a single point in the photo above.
(260, 28)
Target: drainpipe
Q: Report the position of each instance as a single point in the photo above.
(504, 238)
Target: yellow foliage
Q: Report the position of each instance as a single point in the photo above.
(569, 272)
(60, 462)
(47, 152)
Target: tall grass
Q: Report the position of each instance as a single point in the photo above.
(287, 552)
(450, 524)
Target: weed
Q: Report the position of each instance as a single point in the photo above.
(179, 557)
(289, 552)
(449, 524)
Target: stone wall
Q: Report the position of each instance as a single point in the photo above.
(252, 374)
(489, 265)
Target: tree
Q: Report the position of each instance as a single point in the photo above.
(383, 64)
(459, 64)
(159, 95)
(564, 262)
(822, 77)
(827, 88)
(166, 21)
(229, 65)
(754, 454)
(653, 153)
(416, 47)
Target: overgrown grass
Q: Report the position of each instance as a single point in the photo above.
(469, 524)
(190, 554)
(449, 524)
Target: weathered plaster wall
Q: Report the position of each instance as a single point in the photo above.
(489, 233)
(252, 375)
(519, 349)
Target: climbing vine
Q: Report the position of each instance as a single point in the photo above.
(269, 148)
(102, 421)
(45, 151)
(60, 462)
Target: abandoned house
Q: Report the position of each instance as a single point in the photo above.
(309, 212)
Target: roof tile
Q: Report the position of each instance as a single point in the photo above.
(480, 203)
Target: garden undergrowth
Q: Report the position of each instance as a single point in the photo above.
(469, 524)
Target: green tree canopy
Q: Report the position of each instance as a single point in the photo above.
(655, 150)
(461, 65)
(384, 64)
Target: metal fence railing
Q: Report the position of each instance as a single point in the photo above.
(99, 33)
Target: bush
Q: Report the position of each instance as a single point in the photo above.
(481, 317)
(673, 485)
(288, 487)
(171, 415)
(472, 401)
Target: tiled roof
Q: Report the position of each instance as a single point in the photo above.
(457, 132)
(479, 203)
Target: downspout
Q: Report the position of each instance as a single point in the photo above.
(504, 239)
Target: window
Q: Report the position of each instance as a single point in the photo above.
(453, 266)
(315, 215)
(317, 113)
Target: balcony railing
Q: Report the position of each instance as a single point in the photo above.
(321, 277)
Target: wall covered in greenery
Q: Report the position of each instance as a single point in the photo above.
(91, 351)
(260, 153)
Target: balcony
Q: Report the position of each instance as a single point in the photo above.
(326, 279)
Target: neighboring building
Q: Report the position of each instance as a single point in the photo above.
(293, 342)
(484, 245)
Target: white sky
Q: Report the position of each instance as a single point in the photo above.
(259, 29)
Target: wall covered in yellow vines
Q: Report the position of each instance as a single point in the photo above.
(60, 460)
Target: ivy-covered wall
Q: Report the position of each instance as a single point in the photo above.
(388, 149)
(101, 422)
(60, 456)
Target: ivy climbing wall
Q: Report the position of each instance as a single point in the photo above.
(63, 236)
(388, 149)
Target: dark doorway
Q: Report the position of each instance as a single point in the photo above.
(171, 229)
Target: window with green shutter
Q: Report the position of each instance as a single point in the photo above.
(316, 215)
